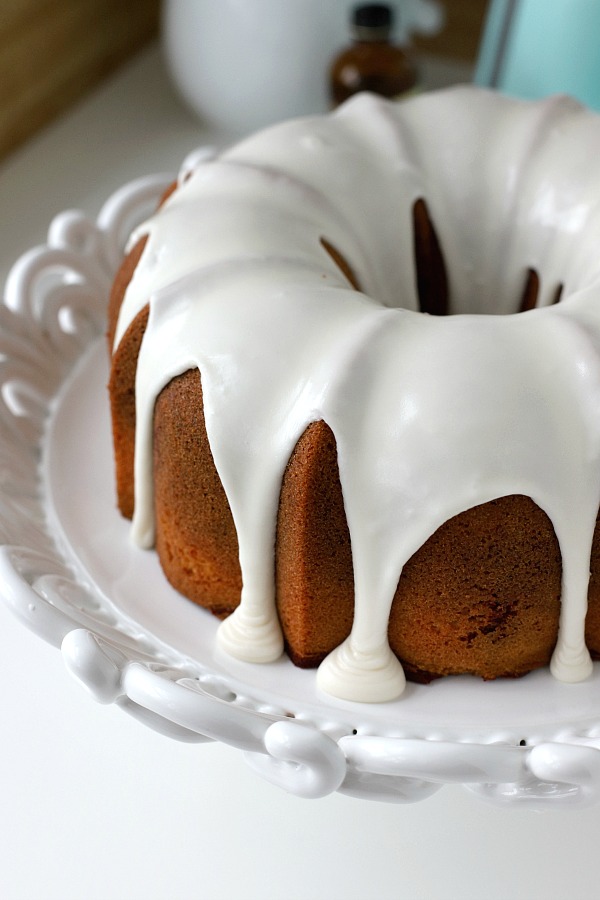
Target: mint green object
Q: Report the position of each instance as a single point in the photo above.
(534, 48)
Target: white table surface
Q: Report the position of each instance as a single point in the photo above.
(94, 806)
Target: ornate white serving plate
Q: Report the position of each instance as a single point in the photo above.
(68, 571)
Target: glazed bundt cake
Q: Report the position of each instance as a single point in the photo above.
(355, 390)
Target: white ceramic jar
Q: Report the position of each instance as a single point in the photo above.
(242, 64)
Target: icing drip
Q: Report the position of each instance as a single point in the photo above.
(431, 415)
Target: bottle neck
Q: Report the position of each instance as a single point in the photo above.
(368, 35)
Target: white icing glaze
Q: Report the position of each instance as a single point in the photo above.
(432, 415)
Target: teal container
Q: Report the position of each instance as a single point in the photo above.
(533, 48)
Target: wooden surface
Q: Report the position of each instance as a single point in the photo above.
(53, 51)
(462, 32)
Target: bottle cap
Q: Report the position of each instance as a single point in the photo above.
(373, 15)
(372, 22)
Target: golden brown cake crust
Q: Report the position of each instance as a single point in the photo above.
(122, 402)
(481, 596)
(195, 535)
(313, 569)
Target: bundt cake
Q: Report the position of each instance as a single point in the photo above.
(355, 390)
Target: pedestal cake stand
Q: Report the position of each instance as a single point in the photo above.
(69, 572)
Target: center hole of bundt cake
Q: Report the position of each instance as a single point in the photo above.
(431, 277)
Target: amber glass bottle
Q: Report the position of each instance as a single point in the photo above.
(372, 62)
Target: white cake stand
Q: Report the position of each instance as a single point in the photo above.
(69, 573)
